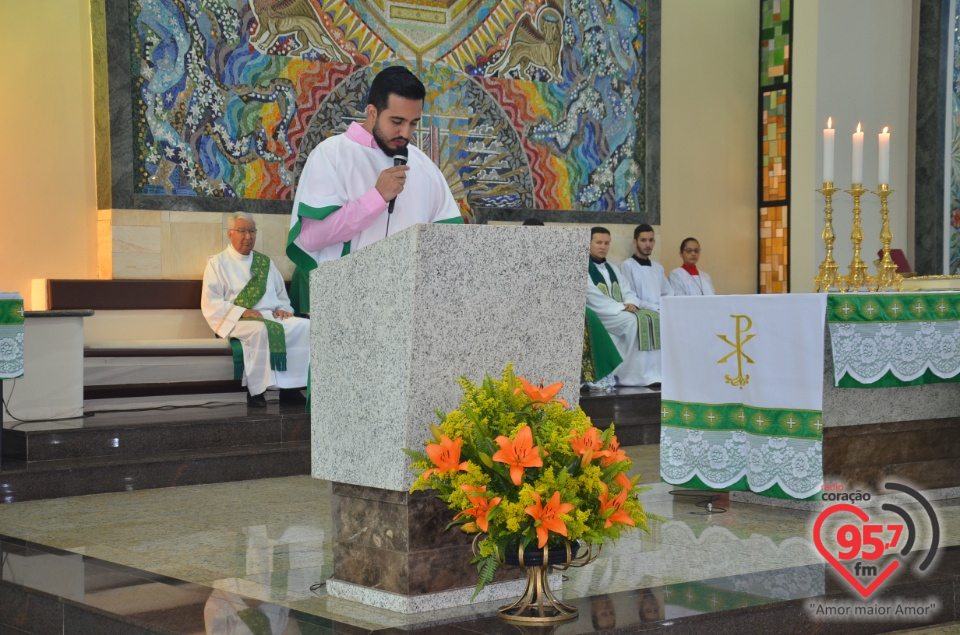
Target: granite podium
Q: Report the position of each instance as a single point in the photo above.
(394, 326)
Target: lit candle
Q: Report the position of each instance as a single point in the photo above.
(858, 155)
(884, 157)
(828, 151)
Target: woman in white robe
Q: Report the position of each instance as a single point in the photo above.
(688, 279)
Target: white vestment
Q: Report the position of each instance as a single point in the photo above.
(647, 283)
(685, 284)
(226, 275)
(639, 368)
(341, 170)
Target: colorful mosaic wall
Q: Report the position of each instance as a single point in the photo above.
(774, 181)
(954, 214)
(531, 103)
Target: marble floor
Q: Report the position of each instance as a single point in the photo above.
(270, 540)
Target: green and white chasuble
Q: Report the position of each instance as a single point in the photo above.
(635, 335)
(894, 339)
(275, 353)
(11, 335)
(336, 187)
(742, 398)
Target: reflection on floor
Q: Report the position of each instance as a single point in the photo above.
(269, 540)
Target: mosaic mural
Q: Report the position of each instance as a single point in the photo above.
(954, 176)
(531, 103)
(774, 130)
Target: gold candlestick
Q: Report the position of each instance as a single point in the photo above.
(887, 277)
(828, 278)
(858, 277)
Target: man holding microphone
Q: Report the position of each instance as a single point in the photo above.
(356, 188)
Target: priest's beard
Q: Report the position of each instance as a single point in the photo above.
(378, 136)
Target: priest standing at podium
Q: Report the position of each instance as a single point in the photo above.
(244, 299)
(367, 183)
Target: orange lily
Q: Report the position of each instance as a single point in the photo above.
(619, 516)
(548, 516)
(518, 454)
(622, 480)
(482, 506)
(445, 455)
(613, 453)
(588, 444)
(539, 394)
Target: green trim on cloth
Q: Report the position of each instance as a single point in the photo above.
(256, 286)
(889, 380)
(775, 491)
(236, 349)
(598, 280)
(896, 307)
(708, 598)
(11, 311)
(767, 422)
(277, 341)
(458, 220)
(600, 354)
(648, 323)
(11, 337)
(248, 297)
(295, 253)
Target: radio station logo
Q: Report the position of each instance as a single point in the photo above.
(861, 554)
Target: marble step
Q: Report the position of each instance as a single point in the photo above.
(22, 481)
(143, 434)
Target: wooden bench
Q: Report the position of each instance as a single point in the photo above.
(145, 338)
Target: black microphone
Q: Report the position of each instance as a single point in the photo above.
(399, 158)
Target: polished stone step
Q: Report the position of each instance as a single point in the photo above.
(53, 591)
(22, 481)
(127, 434)
(634, 411)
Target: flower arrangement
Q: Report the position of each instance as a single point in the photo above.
(519, 466)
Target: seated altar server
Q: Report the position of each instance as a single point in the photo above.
(687, 279)
(635, 331)
(367, 183)
(244, 298)
(647, 278)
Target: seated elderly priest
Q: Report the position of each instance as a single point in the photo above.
(244, 298)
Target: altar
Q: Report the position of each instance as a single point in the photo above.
(776, 395)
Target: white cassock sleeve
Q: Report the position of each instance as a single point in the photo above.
(221, 314)
(626, 288)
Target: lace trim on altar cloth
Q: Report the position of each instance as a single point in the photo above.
(868, 352)
(724, 459)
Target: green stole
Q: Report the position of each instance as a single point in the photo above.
(648, 322)
(248, 298)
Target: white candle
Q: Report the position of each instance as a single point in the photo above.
(858, 155)
(828, 133)
(884, 173)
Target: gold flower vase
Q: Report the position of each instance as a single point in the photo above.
(538, 604)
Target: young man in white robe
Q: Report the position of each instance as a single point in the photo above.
(352, 192)
(646, 276)
(244, 297)
(648, 280)
(609, 295)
